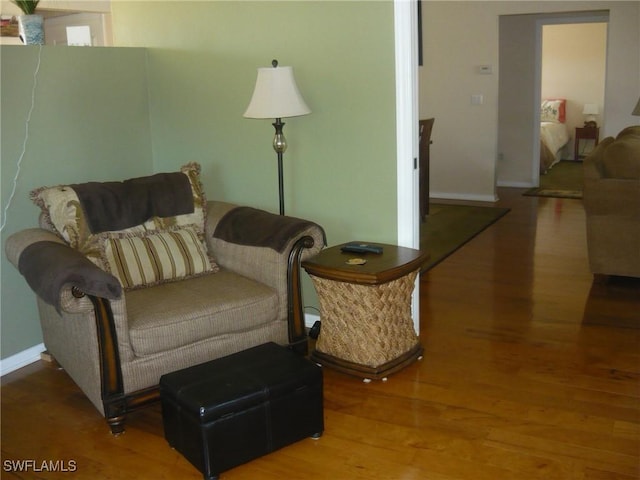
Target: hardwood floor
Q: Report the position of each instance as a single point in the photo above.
(530, 371)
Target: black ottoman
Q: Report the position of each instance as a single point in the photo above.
(228, 411)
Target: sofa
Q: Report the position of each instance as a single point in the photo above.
(142, 277)
(611, 198)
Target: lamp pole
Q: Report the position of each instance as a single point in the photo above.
(280, 145)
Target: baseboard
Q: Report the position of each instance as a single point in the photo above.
(21, 359)
(515, 184)
(462, 196)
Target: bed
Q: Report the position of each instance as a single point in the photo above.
(554, 134)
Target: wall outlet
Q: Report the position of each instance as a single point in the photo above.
(477, 99)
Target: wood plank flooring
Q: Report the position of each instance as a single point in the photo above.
(531, 371)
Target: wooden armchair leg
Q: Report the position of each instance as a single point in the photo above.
(116, 424)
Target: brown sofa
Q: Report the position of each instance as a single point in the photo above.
(193, 281)
(612, 204)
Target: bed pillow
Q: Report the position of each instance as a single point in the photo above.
(553, 111)
(154, 257)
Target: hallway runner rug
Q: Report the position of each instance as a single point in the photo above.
(449, 227)
(550, 192)
(563, 180)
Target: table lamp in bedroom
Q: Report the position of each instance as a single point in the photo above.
(590, 111)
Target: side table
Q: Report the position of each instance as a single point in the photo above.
(366, 329)
(585, 133)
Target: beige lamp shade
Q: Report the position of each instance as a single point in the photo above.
(590, 109)
(636, 111)
(276, 95)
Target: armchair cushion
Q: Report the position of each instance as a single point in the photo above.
(177, 314)
(150, 258)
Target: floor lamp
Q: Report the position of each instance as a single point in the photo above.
(276, 95)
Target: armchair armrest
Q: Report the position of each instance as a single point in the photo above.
(269, 249)
(248, 240)
(50, 266)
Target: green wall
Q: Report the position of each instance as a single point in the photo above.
(114, 113)
(90, 121)
(340, 167)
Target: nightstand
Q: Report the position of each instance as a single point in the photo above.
(585, 133)
(365, 309)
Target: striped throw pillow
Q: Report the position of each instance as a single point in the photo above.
(154, 257)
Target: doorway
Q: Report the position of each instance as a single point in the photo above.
(573, 68)
(520, 93)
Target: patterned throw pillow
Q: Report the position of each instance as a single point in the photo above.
(150, 258)
(62, 212)
(552, 111)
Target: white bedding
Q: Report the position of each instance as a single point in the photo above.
(555, 136)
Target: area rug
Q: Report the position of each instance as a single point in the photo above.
(449, 227)
(563, 180)
(550, 192)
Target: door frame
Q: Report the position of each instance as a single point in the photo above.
(406, 69)
(569, 18)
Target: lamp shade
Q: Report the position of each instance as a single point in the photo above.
(276, 95)
(590, 109)
(636, 111)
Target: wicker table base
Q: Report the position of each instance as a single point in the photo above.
(374, 373)
(367, 328)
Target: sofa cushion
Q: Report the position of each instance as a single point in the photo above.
(176, 314)
(153, 257)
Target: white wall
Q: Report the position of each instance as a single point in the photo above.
(101, 6)
(59, 14)
(457, 38)
(460, 36)
(55, 28)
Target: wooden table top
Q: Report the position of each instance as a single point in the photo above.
(393, 263)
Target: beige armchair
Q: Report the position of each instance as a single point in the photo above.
(612, 204)
(116, 328)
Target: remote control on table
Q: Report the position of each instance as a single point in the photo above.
(356, 247)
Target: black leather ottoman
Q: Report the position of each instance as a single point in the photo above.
(228, 411)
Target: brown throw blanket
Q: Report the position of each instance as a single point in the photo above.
(119, 205)
(257, 228)
(50, 266)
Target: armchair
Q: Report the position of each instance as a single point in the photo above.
(116, 324)
(612, 204)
